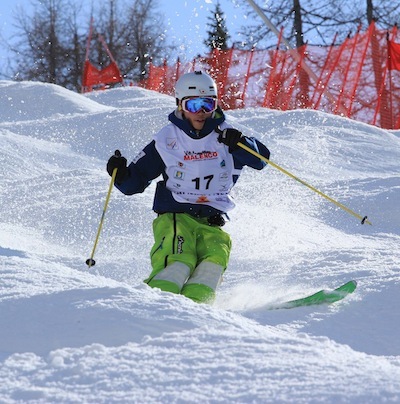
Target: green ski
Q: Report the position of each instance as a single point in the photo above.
(321, 297)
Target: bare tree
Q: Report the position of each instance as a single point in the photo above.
(148, 37)
(49, 45)
(133, 34)
(317, 22)
(75, 51)
(37, 48)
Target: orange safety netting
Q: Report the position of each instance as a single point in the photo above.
(94, 78)
(100, 77)
(359, 78)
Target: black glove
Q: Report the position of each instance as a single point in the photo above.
(230, 137)
(119, 162)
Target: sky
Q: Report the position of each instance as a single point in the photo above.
(69, 334)
(185, 21)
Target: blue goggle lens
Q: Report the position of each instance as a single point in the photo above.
(194, 105)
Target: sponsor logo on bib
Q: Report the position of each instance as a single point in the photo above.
(172, 144)
(203, 155)
(202, 199)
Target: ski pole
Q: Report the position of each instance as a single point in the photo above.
(340, 205)
(90, 261)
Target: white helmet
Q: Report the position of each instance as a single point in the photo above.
(196, 84)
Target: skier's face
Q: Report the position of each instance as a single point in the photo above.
(198, 119)
(198, 109)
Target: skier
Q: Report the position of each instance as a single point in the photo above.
(198, 156)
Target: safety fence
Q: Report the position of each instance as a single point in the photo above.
(359, 78)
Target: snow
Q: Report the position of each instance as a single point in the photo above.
(73, 334)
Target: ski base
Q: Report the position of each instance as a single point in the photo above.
(321, 297)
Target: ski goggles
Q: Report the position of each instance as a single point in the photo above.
(195, 105)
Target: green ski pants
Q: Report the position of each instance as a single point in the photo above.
(181, 238)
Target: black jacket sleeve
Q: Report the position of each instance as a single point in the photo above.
(146, 166)
(244, 158)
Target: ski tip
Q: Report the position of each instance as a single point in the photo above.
(352, 282)
(348, 287)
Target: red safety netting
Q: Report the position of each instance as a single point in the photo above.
(93, 77)
(359, 78)
(99, 78)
